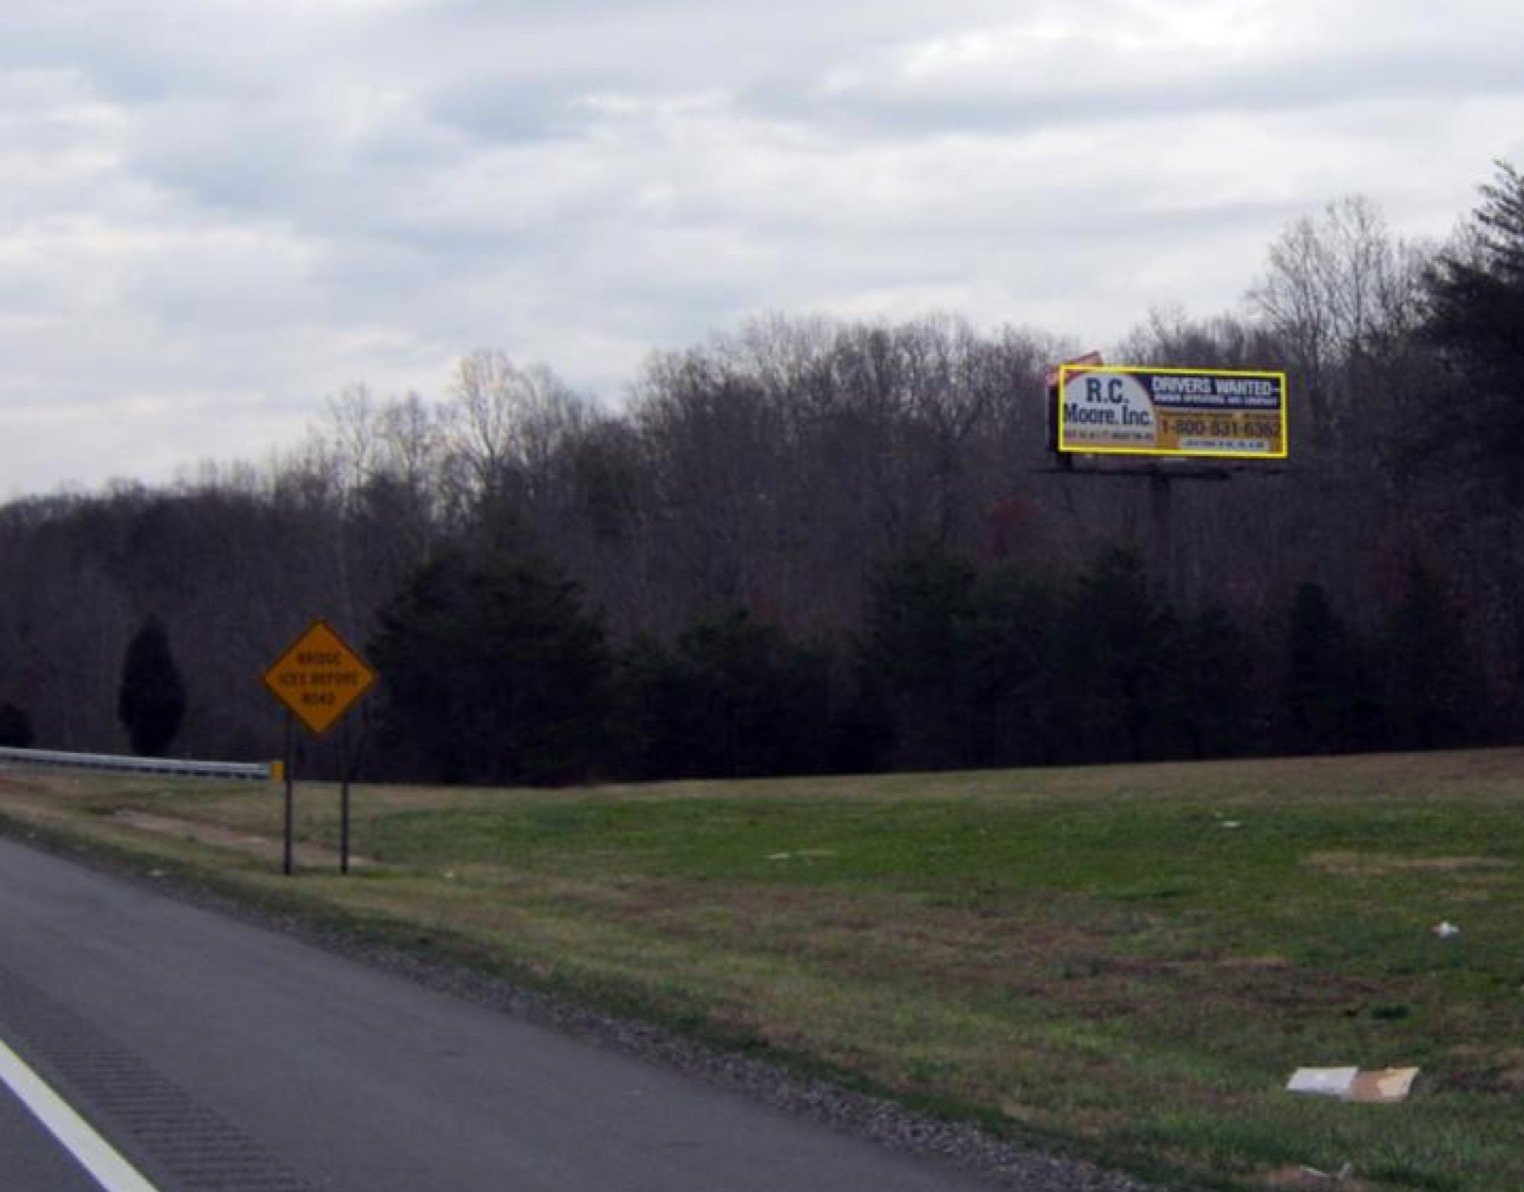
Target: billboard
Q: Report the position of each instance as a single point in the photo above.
(1122, 410)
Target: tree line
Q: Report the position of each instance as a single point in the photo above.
(816, 545)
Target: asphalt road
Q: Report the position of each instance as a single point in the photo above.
(218, 1056)
(30, 1159)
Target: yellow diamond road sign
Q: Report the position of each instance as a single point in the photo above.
(319, 677)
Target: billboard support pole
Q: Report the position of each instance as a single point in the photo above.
(1162, 507)
(1101, 410)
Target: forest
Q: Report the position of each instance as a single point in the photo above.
(812, 545)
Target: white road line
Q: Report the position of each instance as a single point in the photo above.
(97, 1156)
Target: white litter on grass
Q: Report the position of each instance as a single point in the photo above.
(1323, 1082)
(1381, 1086)
(1445, 931)
(1342, 1174)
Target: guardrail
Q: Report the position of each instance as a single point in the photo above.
(250, 771)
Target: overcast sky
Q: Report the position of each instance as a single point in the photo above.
(216, 213)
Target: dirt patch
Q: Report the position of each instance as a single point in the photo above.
(1353, 864)
(213, 836)
(14, 783)
(1491, 1070)
(1291, 1177)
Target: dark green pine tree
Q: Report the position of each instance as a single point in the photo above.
(1213, 675)
(15, 727)
(914, 646)
(151, 701)
(751, 701)
(1115, 671)
(1475, 317)
(492, 672)
(1011, 660)
(1329, 702)
(1434, 696)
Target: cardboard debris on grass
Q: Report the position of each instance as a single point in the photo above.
(1383, 1086)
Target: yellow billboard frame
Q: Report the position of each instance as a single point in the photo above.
(1067, 447)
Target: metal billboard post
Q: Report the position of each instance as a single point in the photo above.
(1174, 421)
(1161, 507)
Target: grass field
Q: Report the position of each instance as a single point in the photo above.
(1124, 962)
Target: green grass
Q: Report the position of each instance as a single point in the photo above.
(1127, 962)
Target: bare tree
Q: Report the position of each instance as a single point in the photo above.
(1340, 290)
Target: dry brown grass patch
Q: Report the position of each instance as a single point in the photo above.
(1296, 1179)
(1347, 863)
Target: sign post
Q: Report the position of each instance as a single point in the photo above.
(286, 850)
(318, 679)
(344, 798)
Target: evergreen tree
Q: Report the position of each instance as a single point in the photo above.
(1009, 668)
(1432, 690)
(15, 727)
(644, 690)
(1115, 676)
(1329, 704)
(915, 647)
(151, 701)
(733, 698)
(493, 672)
(1214, 675)
(1476, 318)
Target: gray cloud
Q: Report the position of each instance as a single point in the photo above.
(213, 214)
